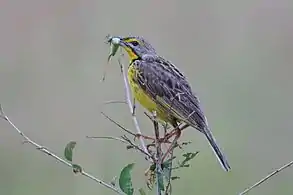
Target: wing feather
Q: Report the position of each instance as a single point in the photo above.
(170, 89)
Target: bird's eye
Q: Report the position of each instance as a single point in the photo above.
(134, 43)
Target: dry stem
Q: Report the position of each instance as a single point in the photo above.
(49, 153)
(131, 108)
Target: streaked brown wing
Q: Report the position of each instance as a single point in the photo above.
(169, 88)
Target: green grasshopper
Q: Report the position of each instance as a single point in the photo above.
(114, 45)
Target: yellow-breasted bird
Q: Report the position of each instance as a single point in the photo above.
(158, 85)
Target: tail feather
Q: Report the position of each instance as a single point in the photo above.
(220, 156)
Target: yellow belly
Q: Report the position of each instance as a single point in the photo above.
(145, 100)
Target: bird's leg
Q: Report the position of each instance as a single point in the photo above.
(170, 134)
(173, 144)
(174, 131)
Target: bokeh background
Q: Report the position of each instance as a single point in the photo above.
(236, 54)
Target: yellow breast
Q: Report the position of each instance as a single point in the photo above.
(140, 95)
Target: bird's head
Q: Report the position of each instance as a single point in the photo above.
(135, 46)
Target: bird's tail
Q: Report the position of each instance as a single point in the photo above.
(220, 156)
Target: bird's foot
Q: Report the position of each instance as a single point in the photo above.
(173, 144)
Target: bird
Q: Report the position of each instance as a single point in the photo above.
(159, 86)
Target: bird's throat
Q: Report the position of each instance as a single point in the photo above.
(132, 55)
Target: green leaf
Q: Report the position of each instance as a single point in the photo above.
(76, 168)
(185, 143)
(141, 191)
(125, 182)
(188, 156)
(68, 152)
(153, 167)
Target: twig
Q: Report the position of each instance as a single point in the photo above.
(266, 178)
(120, 126)
(108, 137)
(136, 147)
(124, 139)
(128, 98)
(49, 153)
(148, 156)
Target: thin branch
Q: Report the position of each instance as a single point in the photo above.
(108, 137)
(49, 153)
(128, 98)
(124, 139)
(148, 156)
(137, 147)
(266, 178)
(120, 126)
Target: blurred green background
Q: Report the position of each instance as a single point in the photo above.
(236, 54)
